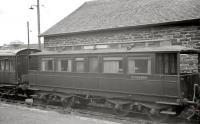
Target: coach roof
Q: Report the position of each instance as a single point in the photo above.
(111, 14)
(176, 49)
(14, 52)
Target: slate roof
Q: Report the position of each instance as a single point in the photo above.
(106, 14)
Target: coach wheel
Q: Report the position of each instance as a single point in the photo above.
(121, 109)
(84, 103)
(156, 116)
(41, 98)
(71, 103)
(65, 102)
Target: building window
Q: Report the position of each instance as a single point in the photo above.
(80, 64)
(51, 48)
(114, 46)
(47, 64)
(103, 46)
(64, 65)
(112, 65)
(139, 44)
(154, 44)
(91, 47)
(139, 65)
(93, 64)
(67, 48)
(77, 47)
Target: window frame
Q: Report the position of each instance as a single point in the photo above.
(46, 59)
(60, 59)
(165, 62)
(2, 65)
(115, 56)
(88, 64)
(79, 59)
(149, 64)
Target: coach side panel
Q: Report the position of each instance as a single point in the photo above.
(154, 87)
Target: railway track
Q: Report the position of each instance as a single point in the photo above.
(97, 112)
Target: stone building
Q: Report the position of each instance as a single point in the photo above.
(126, 24)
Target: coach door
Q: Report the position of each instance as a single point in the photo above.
(166, 69)
(22, 65)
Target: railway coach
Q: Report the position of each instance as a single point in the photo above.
(146, 79)
(13, 64)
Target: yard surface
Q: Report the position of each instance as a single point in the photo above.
(17, 114)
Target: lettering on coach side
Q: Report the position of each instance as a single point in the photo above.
(139, 77)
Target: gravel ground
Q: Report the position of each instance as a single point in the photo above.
(13, 114)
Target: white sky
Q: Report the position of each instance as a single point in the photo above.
(14, 15)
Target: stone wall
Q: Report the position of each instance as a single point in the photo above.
(178, 35)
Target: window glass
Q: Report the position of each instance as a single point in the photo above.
(7, 65)
(79, 64)
(2, 65)
(101, 46)
(77, 47)
(64, 65)
(93, 64)
(67, 48)
(88, 47)
(166, 63)
(112, 65)
(140, 65)
(12, 68)
(154, 44)
(139, 44)
(114, 46)
(47, 64)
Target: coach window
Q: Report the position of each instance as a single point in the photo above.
(2, 65)
(113, 65)
(47, 64)
(93, 64)
(80, 64)
(12, 68)
(139, 65)
(64, 65)
(166, 63)
(6, 65)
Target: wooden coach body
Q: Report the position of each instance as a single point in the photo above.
(141, 74)
(13, 64)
